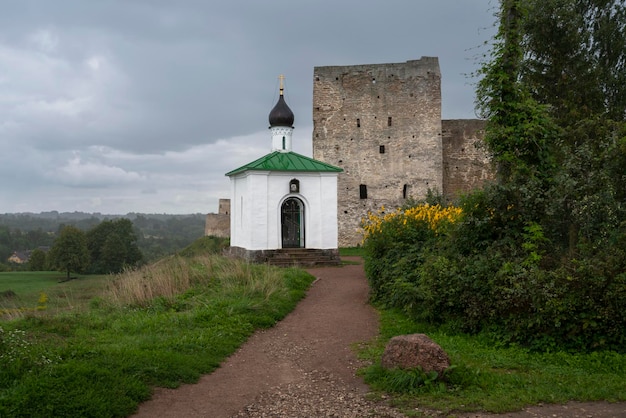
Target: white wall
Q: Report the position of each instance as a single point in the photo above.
(255, 223)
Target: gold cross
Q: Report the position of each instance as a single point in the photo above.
(282, 79)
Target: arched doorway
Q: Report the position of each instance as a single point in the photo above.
(292, 223)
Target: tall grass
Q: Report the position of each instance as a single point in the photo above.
(166, 278)
(175, 275)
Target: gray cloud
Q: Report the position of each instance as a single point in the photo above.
(101, 102)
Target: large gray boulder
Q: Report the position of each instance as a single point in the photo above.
(415, 350)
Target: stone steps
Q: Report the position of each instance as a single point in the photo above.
(303, 257)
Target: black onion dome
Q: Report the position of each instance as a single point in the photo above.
(281, 115)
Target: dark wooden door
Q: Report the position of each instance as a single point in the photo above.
(292, 223)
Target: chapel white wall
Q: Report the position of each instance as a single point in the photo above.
(256, 199)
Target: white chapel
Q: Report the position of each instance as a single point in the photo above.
(284, 204)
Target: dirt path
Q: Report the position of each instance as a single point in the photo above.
(305, 365)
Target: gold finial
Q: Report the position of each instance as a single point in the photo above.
(282, 79)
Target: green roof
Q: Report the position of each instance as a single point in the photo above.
(286, 161)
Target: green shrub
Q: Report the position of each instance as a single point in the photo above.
(395, 242)
(498, 270)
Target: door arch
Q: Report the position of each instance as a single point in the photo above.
(292, 223)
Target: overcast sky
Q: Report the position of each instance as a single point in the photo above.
(119, 106)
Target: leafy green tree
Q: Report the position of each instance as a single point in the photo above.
(69, 252)
(114, 254)
(158, 234)
(39, 238)
(37, 260)
(551, 233)
(575, 58)
(575, 63)
(113, 246)
(520, 132)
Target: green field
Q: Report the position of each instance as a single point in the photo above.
(25, 282)
(23, 290)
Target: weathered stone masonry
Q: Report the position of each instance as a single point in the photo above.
(465, 162)
(382, 124)
(218, 224)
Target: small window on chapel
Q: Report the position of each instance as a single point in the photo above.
(389, 121)
(405, 191)
(358, 123)
(363, 191)
(381, 149)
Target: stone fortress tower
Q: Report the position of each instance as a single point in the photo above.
(382, 124)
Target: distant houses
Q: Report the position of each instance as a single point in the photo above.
(22, 257)
(19, 257)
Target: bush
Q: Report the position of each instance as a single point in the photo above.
(395, 242)
(491, 268)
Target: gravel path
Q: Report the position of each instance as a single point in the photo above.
(305, 366)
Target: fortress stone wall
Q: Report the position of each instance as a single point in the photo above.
(466, 165)
(218, 224)
(382, 124)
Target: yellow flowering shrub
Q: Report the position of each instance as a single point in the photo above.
(395, 243)
(432, 216)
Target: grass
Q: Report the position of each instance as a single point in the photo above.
(26, 292)
(22, 282)
(484, 377)
(142, 330)
(351, 251)
(109, 340)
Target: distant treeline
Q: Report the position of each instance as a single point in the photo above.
(158, 234)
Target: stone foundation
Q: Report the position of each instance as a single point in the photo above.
(288, 257)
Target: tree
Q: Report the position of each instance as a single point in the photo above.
(519, 130)
(113, 246)
(69, 252)
(114, 255)
(555, 97)
(574, 61)
(575, 58)
(37, 260)
(6, 243)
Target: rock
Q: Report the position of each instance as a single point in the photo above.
(415, 350)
